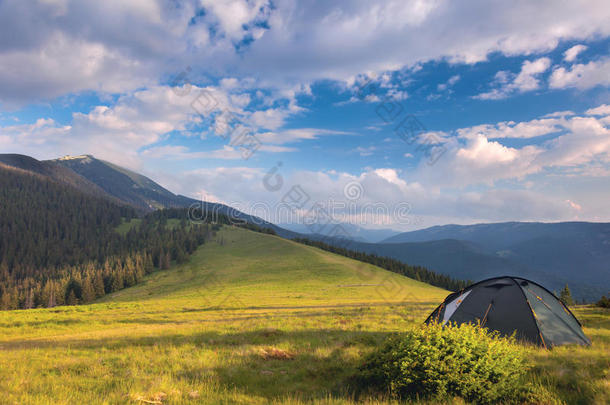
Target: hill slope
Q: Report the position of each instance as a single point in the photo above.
(245, 268)
(44, 224)
(200, 329)
(244, 322)
(59, 245)
(133, 188)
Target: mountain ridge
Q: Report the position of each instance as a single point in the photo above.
(54, 171)
(105, 179)
(466, 260)
(554, 254)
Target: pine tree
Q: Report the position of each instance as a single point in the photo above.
(88, 291)
(98, 284)
(58, 289)
(148, 263)
(180, 256)
(4, 275)
(6, 302)
(117, 280)
(165, 261)
(566, 296)
(71, 300)
(52, 300)
(130, 279)
(29, 299)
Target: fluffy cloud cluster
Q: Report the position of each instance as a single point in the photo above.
(459, 185)
(132, 127)
(475, 155)
(526, 80)
(52, 47)
(571, 54)
(582, 76)
(254, 58)
(404, 205)
(577, 75)
(115, 133)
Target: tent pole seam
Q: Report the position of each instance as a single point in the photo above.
(486, 312)
(531, 312)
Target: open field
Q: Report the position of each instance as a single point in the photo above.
(251, 319)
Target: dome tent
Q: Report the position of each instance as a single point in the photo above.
(513, 305)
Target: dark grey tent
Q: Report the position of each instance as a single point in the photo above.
(513, 305)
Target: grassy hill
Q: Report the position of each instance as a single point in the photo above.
(252, 319)
(269, 271)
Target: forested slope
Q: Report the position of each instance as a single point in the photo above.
(60, 246)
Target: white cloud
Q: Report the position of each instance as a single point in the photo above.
(389, 35)
(526, 80)
(511, 129)
(142, 119)
(405, 204)
(233, 15)
(571, 54)
(53, 48)
(559, 114)
(478, 178)
(276, 149)
(35, 135)
(271, 118)
(181, 153)
(296, 135)
(582, 76)
(368, 151)
(452, 80)
(481, 161)
(574, 205)
(473, 157)
(586, 141)
(603, 109)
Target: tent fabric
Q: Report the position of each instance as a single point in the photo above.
(452, 306)
(513, 305)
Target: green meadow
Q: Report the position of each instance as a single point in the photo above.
(250, 319)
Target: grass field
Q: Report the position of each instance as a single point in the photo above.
(251, 319)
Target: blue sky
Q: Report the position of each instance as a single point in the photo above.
(477, 112)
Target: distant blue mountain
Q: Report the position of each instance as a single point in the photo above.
(355, 232)
(574, 252)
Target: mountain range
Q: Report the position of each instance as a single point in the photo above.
(101, 178)
(587, 278)
(576, 253)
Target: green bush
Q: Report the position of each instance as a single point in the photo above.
(438, 363)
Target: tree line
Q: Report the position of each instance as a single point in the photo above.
(418, 273)
(152, 244)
